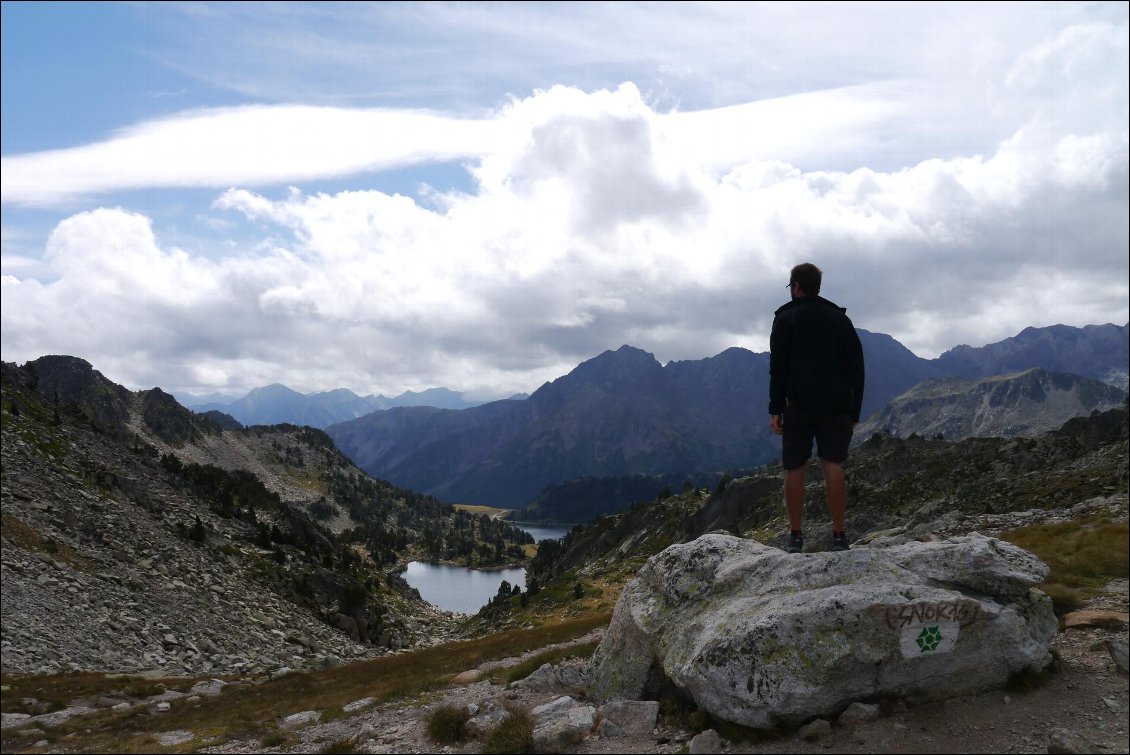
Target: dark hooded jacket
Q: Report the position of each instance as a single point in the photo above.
(815, 360)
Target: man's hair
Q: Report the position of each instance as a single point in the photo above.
(808, 276)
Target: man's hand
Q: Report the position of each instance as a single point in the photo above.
(775, 424)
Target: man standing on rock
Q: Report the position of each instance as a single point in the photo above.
(815, 392)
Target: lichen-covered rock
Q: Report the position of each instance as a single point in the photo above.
(630, 717)
(566, 677)
(560, 723)
(764, 638)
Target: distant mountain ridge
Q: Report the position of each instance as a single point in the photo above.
(277, 404)
(618, 413)
(1093, 351)
(622, 413)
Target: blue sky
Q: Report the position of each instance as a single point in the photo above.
(393, 196)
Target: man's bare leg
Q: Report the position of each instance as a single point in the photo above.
(794, 496)
(836, 491)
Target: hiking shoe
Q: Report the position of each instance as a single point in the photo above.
(840, 543)
(796, 543)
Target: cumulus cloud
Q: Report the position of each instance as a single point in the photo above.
(553, 259)
(594, 219)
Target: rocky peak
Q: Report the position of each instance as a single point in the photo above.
(71, 381)
(626, 372)
(171, 422)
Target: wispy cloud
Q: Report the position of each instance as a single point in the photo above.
(253, 145)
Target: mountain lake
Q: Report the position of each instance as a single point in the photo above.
(463, 590)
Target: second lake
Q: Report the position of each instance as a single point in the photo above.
(457, 588)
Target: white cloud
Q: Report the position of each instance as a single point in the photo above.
(553, 259)
(251, 145)
(956, 187)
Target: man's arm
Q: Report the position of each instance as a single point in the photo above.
(855, 373)
(779, 345)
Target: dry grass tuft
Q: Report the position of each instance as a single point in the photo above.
(447, 724)
(1083, 556)
(514, 735)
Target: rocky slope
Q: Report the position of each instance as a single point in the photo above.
(137, 535)
(896, 486)
(1027, 403)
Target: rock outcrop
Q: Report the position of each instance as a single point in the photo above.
(140, 537)
(765, 639)
(1028, 403)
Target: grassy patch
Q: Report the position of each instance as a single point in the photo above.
(277, 738)
(59, 690)
(556, 603)
(332, 714)
(24, 536)
(490, 511)
(310, 479)
(447, 724)
(1064, 599)
(251, 710)
(1083, 555)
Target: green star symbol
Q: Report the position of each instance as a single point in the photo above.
(929, 639)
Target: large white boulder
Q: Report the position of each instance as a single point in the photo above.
(764, 639)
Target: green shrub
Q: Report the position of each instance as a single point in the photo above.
(447, 724)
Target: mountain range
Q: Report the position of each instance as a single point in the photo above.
(622, 413)
(276, 404)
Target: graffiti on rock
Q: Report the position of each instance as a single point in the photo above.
(916, 614)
